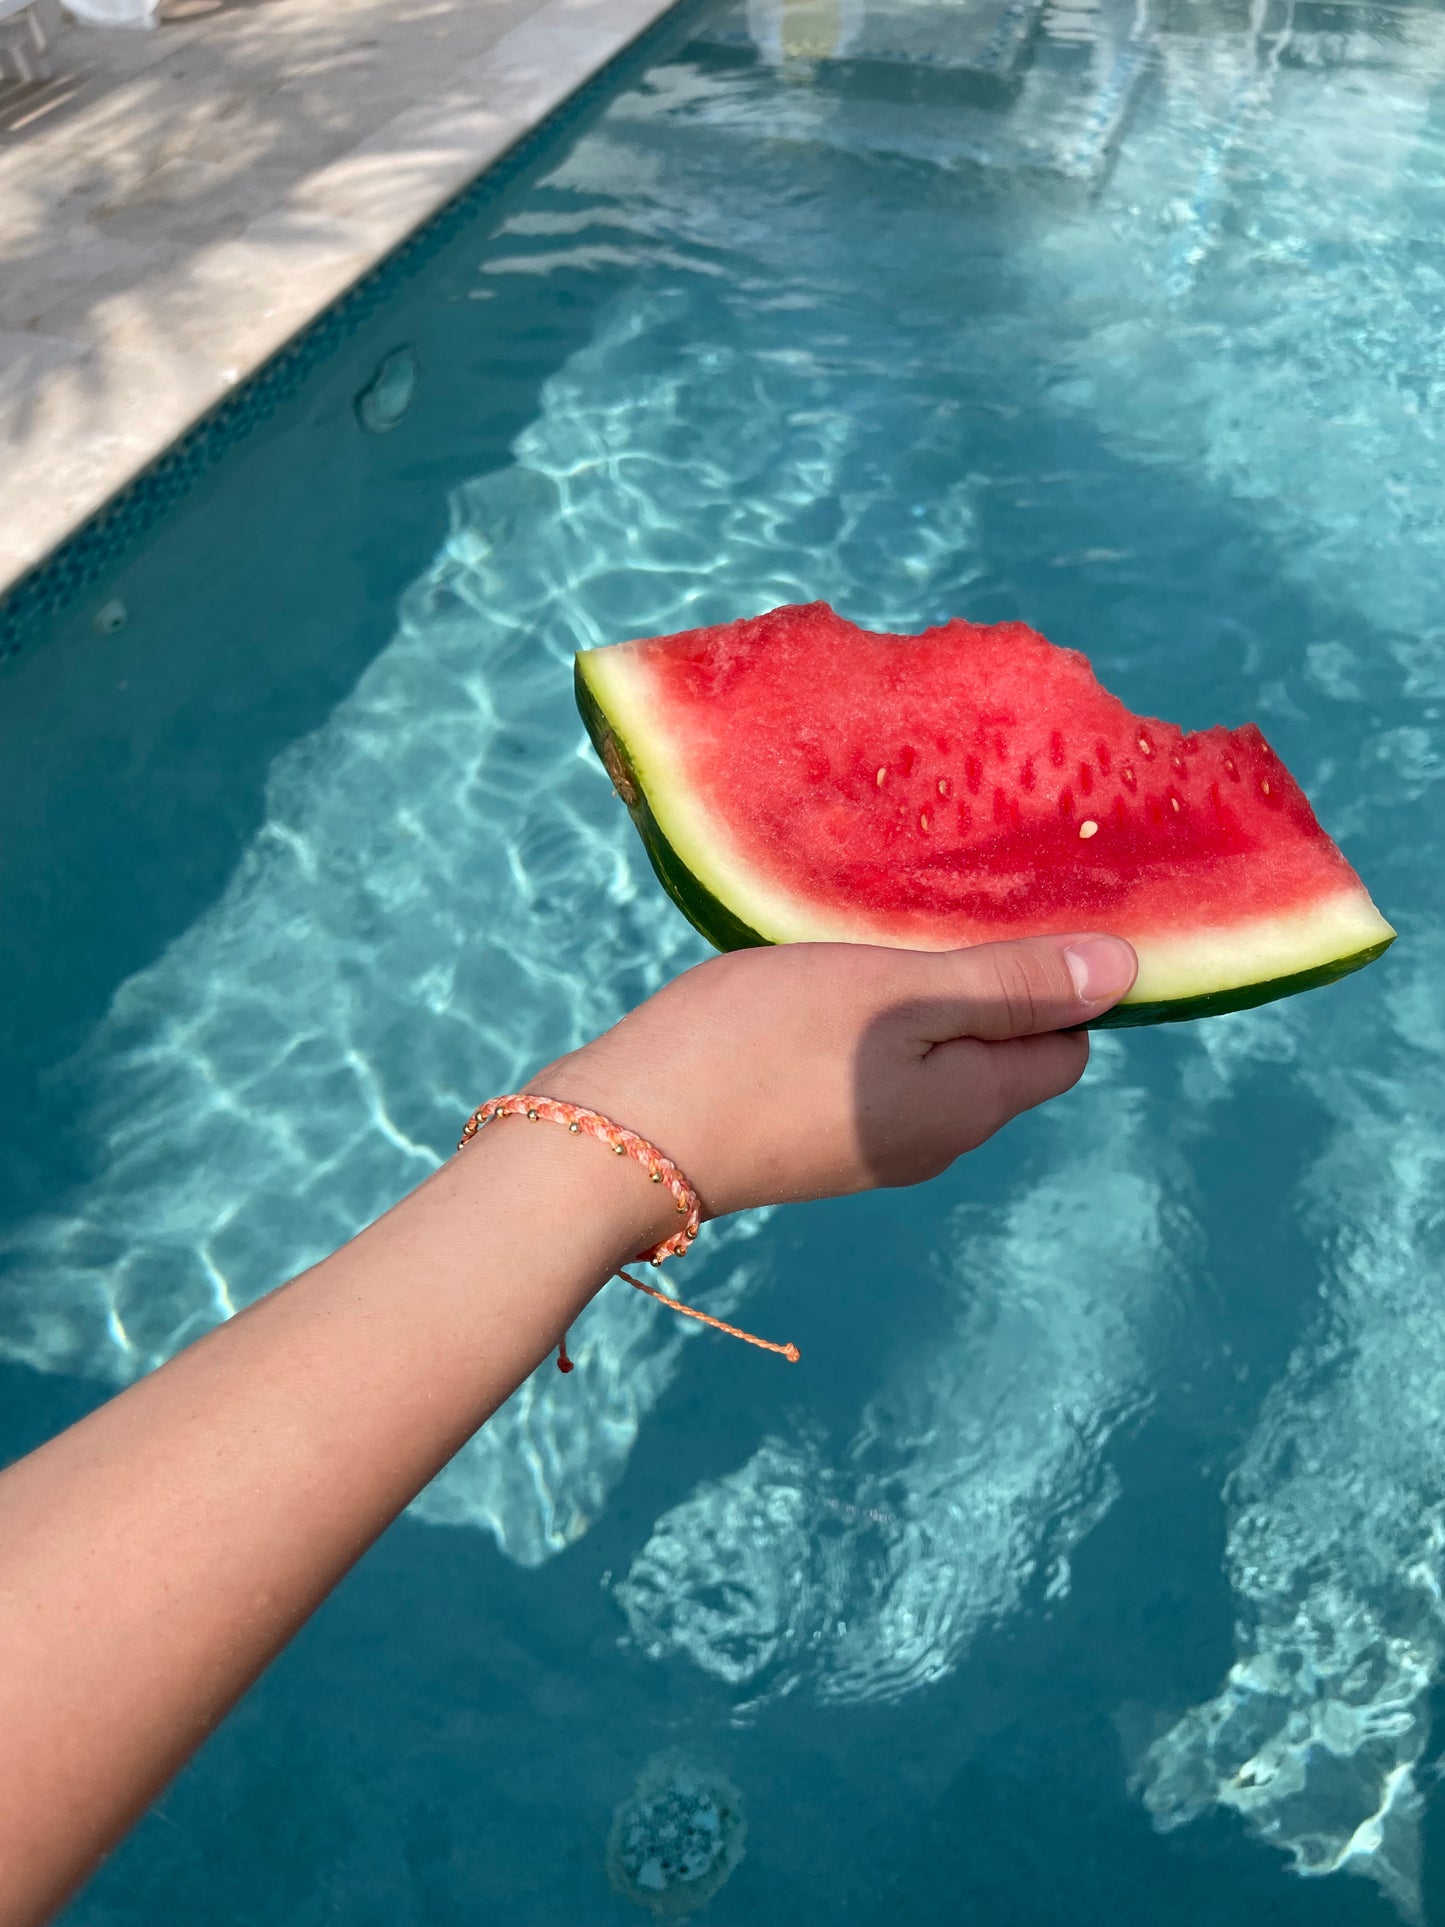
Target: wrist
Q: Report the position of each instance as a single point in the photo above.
(645, 1100)
(572, 1175)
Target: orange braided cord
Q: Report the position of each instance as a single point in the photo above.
(622, 1142)
(661, 1169)
(790, 1352)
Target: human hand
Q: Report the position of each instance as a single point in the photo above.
(813, 1070)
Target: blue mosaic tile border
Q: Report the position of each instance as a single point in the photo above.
(47, 589)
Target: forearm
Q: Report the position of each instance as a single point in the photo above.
(155, 1557)
(158, 1555)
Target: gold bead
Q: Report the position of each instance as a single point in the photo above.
(680, 1205)
(620, 1150)
(656, 1263)
(657, 1177)
(533, 1116)
(574, 1128)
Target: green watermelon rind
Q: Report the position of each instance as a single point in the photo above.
(712, 919)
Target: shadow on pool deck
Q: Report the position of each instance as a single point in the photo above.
(174, 204)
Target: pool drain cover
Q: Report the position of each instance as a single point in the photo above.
(676, 1838)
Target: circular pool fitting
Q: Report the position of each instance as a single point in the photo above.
(676, 1837)
(388, 396)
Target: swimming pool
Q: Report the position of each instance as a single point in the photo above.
(1090, 1565)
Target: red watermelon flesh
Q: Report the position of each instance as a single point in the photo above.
(796, 777)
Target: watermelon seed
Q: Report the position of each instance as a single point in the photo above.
(882, 777)
(1174, 802)
(1087, 829)
(943, 786)
(1144, 747)
(923, 820)
(1264, 787)
(1177, 761)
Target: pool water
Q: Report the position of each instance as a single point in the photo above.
(1090, 1566)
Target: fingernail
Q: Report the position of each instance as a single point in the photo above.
(1101, 967)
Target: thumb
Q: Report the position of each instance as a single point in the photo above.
(1019, 989)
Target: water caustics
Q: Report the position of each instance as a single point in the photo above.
(442, 896)
(975, 1469)
(1278, 345)
(1336, 1544)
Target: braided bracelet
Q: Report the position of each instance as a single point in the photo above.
(661, 1169)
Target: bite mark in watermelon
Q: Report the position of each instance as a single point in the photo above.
(797, 778)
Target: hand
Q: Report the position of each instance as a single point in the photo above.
(813, 1070)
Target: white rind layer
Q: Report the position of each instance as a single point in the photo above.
(1257, 950)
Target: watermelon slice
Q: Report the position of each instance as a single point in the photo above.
(795, 777)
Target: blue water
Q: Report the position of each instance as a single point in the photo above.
(1090, 1567)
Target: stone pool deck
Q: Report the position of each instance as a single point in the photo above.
(175, 205)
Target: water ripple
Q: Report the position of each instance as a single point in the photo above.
(974, 1470)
